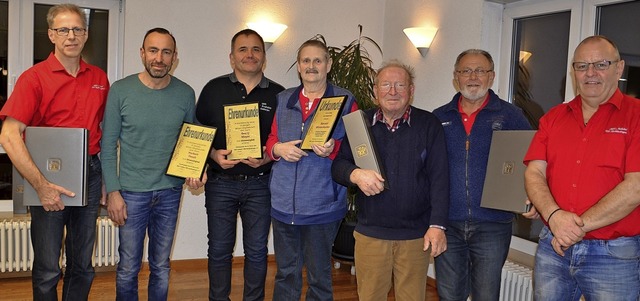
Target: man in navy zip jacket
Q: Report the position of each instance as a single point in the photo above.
(397, 226)
(478, 238)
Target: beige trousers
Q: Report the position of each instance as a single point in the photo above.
(381, 263)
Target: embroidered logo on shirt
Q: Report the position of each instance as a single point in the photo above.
(616, 131)
(265, 107)
(98, 87)
(446, 123)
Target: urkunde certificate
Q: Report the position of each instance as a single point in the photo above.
(242, 124)
(363, 146)
(191, 152)
(324, 121)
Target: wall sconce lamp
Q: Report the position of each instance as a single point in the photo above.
(269, 32)
(421, 37)
(524, 56)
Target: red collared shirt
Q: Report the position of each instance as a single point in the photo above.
(47, 95)
(468, 120)
(307, 105)
(585, 162)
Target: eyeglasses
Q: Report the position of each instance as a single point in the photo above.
(386, 87)
(64, 31)
(599, 66)
(478, 72)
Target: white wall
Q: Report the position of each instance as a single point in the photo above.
(203, 29)
(460, 27)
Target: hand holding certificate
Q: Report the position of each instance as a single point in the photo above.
(242, 124)
(362, 144)
(191, 151)
(324, 121)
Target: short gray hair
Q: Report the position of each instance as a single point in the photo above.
(66, 7)
(397, 63)
(474, 51)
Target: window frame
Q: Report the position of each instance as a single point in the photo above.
(20, 53)
(518, 11)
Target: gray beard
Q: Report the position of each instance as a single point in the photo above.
(469, 96)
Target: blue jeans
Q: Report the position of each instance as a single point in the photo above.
(472, 263)
(224, 198)
(156, 211)
(47, 230)
(303, 245)
(597, 269)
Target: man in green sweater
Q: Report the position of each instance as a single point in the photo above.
(144, 115)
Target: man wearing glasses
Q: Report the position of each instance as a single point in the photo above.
(583, 176)
(477, 238)
(398, 226)
(62, 91)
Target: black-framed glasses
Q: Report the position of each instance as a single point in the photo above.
(386, 87)
(478, 72)
(599, 66)
(64, 31)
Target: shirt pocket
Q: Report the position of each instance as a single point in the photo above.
(612, 151)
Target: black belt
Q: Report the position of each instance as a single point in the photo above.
(239, 177)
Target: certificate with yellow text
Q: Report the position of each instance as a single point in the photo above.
(242, 125)
(191, 152)
(324, 121)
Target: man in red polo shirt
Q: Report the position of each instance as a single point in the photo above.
(583, 176)
(62, 91)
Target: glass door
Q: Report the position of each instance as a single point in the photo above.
(620, 23)
(541, 44)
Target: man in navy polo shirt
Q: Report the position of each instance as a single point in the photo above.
(238, 186)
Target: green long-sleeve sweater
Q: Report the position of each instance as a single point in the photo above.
(146, 123)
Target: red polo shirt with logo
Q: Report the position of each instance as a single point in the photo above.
(585, 162)
(47, 95)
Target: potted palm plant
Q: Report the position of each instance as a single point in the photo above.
(352, 69)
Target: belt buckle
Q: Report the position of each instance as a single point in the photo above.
(242, 177)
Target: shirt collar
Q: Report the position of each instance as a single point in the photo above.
(615, 100)
(379, 117)
(55, 64)
(264, 83)
(485, 102)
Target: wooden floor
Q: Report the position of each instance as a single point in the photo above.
(189, 281)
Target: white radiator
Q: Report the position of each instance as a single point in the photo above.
(16, 251)
(517, 283)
